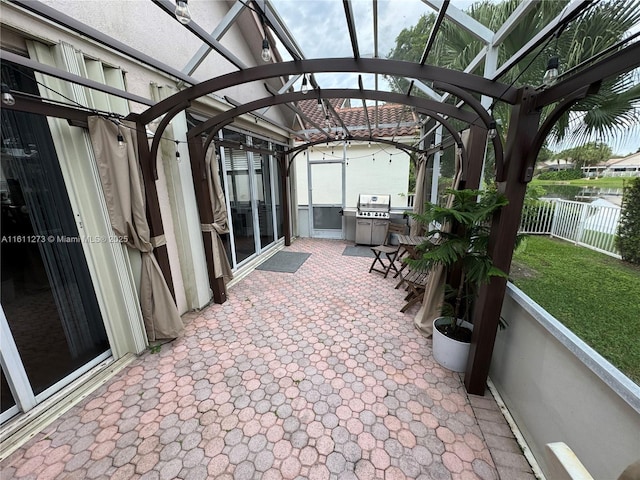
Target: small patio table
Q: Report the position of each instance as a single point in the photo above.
(408, 246)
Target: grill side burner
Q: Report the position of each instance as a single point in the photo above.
(372, 219)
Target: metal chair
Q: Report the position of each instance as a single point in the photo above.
(388, 250)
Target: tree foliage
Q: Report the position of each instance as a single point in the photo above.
(584, 155)
(628, 239)
(607, 114)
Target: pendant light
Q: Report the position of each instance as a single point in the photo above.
(182, 12)
(266, 50)
(7, 98)
(551, 75)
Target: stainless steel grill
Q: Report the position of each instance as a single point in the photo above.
(372, 219)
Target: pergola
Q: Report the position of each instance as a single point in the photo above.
(515, 159)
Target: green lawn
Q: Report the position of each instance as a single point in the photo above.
(594, 295)
(605, 182)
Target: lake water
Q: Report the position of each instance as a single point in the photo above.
(581, 194)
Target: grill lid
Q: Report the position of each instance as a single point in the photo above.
(374, 203)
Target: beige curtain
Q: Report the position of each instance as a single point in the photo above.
(220, 225)
(419, 198)
(434, 289)
(123, 189)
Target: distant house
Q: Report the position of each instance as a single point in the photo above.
(556, 164)
(628, 166)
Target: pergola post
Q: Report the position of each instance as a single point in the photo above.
(152, 205)
(474, 160)
(284, 189)
(520, 140)
(205, 212)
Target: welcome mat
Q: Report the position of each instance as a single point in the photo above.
(287, 262)
(358, 251)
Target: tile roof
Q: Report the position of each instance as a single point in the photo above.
(388, 115)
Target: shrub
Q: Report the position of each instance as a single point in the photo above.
(571, 174)
(628, 239)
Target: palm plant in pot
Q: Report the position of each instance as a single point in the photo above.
(458, 244)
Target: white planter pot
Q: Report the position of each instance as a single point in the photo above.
(450, 353)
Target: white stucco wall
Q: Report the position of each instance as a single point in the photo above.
(363, 173)
(558, 389)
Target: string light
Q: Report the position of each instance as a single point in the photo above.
(182, 11)
(551, 75)
(266, 50)
(305, 86)
(492, 130)
(177, 151)
(7, 98)
(120, 139)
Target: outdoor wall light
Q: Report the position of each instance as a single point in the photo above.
(305, 86)
(266, 51)
(7, 98)
(182, 12)
(551, 75)
(493, 132)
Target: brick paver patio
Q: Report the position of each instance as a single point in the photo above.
(313, 375)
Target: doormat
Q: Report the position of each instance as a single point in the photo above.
(287, 262)
(358, 251)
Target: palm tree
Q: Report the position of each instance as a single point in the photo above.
(605, 115)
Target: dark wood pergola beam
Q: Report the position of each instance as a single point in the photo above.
(430, 107)
(482, 112)
(351, 24)
(618, 63)
(474, 83)
(297, 111)
(364, 105)
(434, 31)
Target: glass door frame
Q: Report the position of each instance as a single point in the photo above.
(17, 378)
(326, 233)
(253, 187)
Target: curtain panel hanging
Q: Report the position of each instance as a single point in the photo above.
(434, 289)
(419, 198)
(124, 193)
(220, 225)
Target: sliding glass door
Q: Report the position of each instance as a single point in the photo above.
(252, 191)
(51, 324)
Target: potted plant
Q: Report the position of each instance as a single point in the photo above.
(458, 243)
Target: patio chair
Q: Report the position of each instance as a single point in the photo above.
(389, 251)
(416, 282)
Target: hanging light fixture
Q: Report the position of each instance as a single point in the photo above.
(182, 11)
(319, 107)
(551, 75)
(493, 132)
(305, 86)
(120, 139)
(7, 98)
(266, 50)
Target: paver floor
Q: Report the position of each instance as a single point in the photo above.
(313, 375)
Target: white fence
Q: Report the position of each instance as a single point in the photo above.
(590, 225)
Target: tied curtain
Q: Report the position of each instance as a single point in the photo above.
(123, 189)
(434, 289)
(220, 224)
(419, 198)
